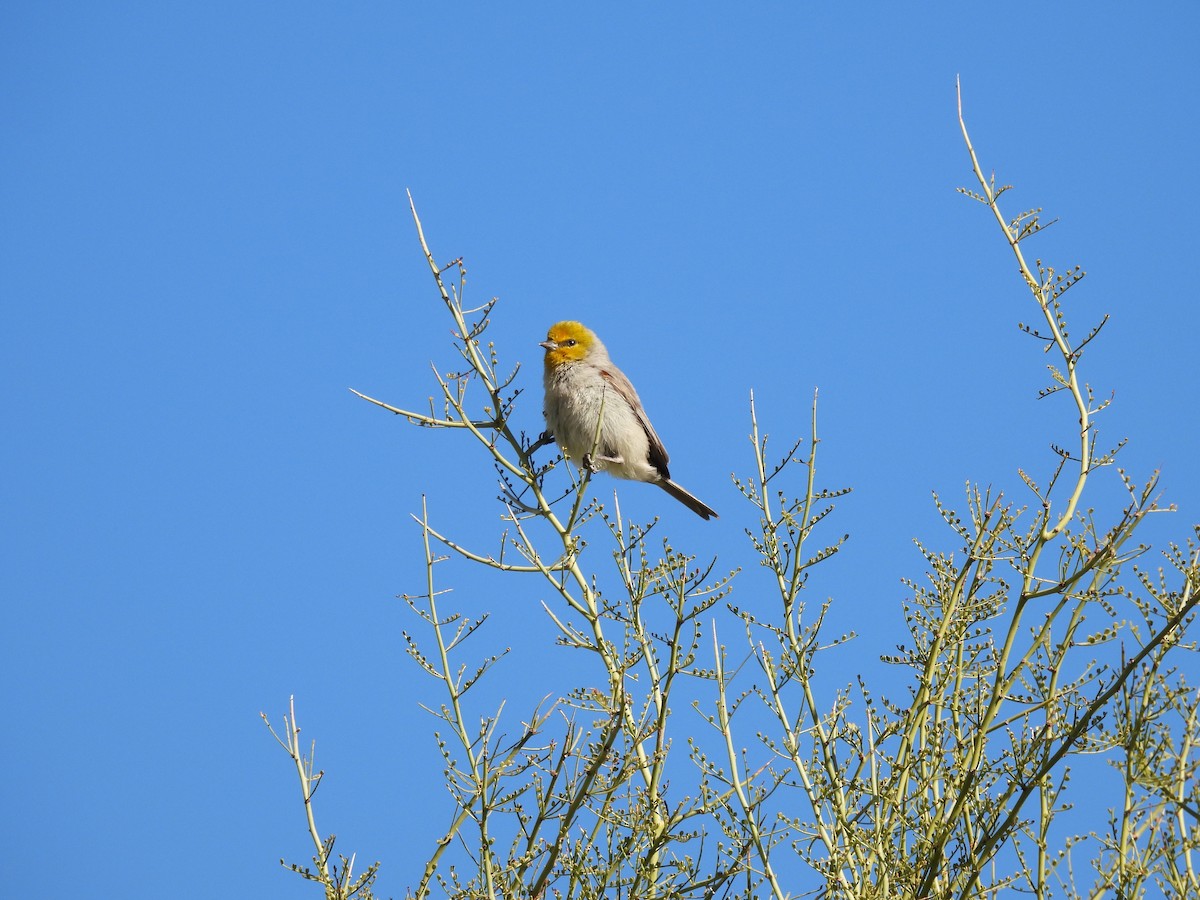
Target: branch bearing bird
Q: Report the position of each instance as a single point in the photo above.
(594, 414)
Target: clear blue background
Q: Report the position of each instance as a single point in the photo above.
(205, 241)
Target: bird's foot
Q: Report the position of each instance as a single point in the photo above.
(543, 439)
(598, 463)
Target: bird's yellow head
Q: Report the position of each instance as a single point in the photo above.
(569, 342)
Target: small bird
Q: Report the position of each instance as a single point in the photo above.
(585, 391)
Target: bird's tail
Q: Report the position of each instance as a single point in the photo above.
(698, 507)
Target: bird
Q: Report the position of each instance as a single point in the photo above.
(595, 416)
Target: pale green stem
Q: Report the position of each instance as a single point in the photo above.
(1060, 340)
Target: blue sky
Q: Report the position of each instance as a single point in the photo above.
(205, 242)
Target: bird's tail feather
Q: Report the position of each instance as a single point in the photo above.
(698, 507)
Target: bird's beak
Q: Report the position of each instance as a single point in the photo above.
(549, 345)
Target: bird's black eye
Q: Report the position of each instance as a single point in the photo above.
(570, 342)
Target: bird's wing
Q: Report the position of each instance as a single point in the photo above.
(616, 379)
